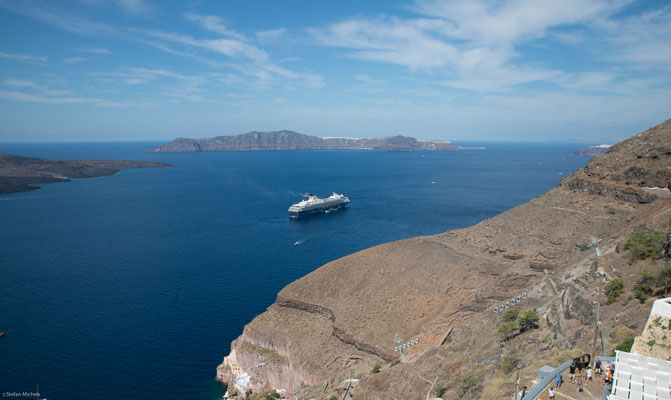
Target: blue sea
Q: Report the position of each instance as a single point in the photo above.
(133, 286)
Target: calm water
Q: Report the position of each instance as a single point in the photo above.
(133, 286)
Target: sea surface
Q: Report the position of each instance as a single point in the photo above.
(133, 286)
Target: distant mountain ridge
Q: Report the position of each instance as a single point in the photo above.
(290, 140)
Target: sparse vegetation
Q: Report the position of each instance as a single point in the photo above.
(644, 243)
(511, 314)
(516, 323)
(468, 382)
(508, 328)
(643, 287)
(651, 342)
(395, 363)
(584, 246)
(375, 369)
(614, 289)
(664, 278)
(265, 396)
(624, 345)
(439, 390)
(510, 362)
(528, 320)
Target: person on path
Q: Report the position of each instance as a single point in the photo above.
(579, 385)
(558, 379)
(597, 368)
(607, 388)
(524, 392)
(588, 375)
(551, 393)
(571, 370)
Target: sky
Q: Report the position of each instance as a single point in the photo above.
(594, 71)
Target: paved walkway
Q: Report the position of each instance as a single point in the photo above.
(569, 391)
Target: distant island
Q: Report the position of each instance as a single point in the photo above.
(592, 150)
(289, 140)
(18, 174)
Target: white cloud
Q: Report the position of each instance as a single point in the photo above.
(72, 60)
(95, 50)
(473, 45)
(33, 98)
(24, 57)
(513, 21)
(19, 83)
(271, 35)
(642, 39)
(214, 24)
(363, 78)
(136, 75)
(47, 13)
(253, 63)
(136, 6)
(233, 48)
(127, 103)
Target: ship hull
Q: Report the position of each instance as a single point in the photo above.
(316, 210)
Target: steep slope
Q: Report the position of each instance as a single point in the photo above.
(289, 140)
(348, 316)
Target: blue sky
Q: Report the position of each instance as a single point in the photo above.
(522, 70)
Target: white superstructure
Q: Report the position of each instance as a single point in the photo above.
(314, 204)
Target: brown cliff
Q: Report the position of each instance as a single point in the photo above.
(289, 140)
(347, 317)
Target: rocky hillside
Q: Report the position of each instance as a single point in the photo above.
(288, 140)
(17, 174)
(443, 293)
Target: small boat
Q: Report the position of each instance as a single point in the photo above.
(299, 242)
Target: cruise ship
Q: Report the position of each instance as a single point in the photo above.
(314, 205)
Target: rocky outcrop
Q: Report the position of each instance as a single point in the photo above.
(289, 140)
(636, 170)
(655, 340)
(17, 174)
(444, 292)
(257, 361)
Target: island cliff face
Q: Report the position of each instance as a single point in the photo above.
(346, 318)
(18, 173)
(289, 140)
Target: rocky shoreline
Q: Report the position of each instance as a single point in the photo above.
(20, 174)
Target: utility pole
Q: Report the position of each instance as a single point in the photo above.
(517, 382)
(597, 325)
(431, 388)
